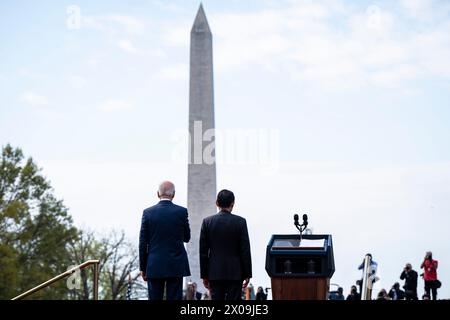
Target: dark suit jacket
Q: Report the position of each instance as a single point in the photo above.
(410, 280)
(164, 228)
(225, 248)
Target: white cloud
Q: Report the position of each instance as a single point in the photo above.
(33, 99)
(92, 22)
(176, 72)
(115, 105)
(331, 44)
(375, 22)
(76, 81)
(432, 49)
(113, 24)
(394, 76)
(165, 5)
(418, 9)
(131, 24)
(122, 31)
(30, 74)
(129, 47)
(177, 35)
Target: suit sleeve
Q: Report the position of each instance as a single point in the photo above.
(143, 244)
(187, 229)
(246, 257)
(204, 252)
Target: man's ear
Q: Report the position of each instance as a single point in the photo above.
(217, 204)
(157, 193)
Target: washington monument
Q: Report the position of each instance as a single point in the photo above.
(202, 164)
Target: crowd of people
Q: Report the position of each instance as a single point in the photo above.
(410, 277)
(397, 292)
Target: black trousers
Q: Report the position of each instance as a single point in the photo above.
(226, 290)
(173, 286)
(431, 286)
(411, 294)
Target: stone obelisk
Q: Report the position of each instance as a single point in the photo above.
(202, 164)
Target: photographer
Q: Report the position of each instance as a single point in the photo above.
(260, 295)
(430, 275)
(396, 293)
(410, 277)
(354, 295)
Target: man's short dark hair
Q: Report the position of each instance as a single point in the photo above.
(225, 198)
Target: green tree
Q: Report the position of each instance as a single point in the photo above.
(35, 229)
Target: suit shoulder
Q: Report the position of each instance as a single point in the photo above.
(179, 207)
(239, 218)
(208, 219)
(150, 209)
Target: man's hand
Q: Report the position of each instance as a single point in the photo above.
(206, 283)
(245, 284)
(143, 276)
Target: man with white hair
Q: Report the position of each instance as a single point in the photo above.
(162, 256)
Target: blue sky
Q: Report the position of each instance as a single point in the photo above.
(358, 92)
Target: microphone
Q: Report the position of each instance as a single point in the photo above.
(305, 220)
(296, 219)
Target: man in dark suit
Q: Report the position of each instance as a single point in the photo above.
(162, 256)
(225, 258)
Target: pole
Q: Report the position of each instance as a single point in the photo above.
(366, 293)
(96, 281)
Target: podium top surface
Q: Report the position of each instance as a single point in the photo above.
(293, 244)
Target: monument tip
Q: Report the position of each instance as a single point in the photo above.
(200, 22)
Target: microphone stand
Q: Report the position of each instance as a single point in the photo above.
(301, 228)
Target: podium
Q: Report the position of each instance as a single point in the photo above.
(300, 270)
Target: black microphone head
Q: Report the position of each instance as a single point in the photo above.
(295, 219)
(305, 219)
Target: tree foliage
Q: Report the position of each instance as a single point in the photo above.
(38, 240)
(35, 228)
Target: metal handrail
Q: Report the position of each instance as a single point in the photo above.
(64, 275)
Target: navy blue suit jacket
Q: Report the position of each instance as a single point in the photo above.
(164, 228)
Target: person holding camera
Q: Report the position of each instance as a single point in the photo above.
(354, 295)
(260, 295)
(410, 277)
(430, 275)
(396, 293)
